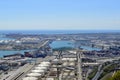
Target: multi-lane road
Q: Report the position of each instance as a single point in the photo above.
(79, 65)
(15, 75)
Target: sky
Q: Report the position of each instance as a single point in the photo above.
(59, 14)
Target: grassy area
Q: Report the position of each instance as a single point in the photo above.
(108, 69)
(107, 77)
(93, 73)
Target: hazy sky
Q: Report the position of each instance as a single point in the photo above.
(59, 14)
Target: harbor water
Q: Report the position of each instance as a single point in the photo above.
(9, 52)
(62, 43)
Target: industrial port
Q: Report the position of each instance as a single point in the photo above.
(42, 62)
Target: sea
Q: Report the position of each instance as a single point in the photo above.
(57, 31)
(62, 43)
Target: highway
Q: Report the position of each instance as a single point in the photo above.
(14, 75)
(79, 66)
(87, 74)
(44, 43)
(98, 73)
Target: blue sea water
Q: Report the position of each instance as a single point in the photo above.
(61, 43)
(57, 31)
(90, 48)
(9, 52)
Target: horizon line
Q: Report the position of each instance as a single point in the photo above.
(61, 30)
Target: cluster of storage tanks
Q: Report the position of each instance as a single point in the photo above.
(70, 64)
(67, 67)
(38, 71)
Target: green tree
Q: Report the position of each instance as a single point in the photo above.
(116, 76)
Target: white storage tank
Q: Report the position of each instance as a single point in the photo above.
(72, 74)
(65, 74)
(34, 74)
(69, 59)
(55, 60)
(67, 70)
(49, 78)
(72, 64)
(29, 78)
(43, 65)
(64, 59)
(41, 68)
(54, 66)
(45, 62)
(74, 52)
(65, 63)
(38, 71)
(72, 59)
(54, 69)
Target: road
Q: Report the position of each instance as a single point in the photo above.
(14, 74)
(98, 73)
(44, 43)
(79, 66)
(87, 74)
